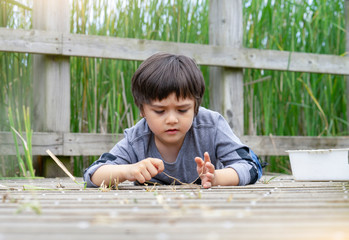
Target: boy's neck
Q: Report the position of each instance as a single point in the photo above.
(168, 153)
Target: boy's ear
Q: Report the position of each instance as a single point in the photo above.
(141, 113)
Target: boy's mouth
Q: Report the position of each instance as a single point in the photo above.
(172, 131)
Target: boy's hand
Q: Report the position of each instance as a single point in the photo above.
(206, 171)
(144, 170)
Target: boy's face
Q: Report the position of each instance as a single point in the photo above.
(169, 119)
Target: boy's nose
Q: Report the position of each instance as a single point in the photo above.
(171, 118)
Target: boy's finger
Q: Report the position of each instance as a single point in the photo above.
(207, 185)
(199, 165)
(158, 163)
(199, 161)
(209, 167)
(207, 157)
(152, 169)
(139, 177)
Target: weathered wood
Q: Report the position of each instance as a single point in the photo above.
(93, 144)
(226, 85)
(281, 209)
(41, 141)
(63, 144)
(31, 41)
(51, 74)
(233, 101)
(65, 44)
(277, 145)
(346, 7)
(89, 144)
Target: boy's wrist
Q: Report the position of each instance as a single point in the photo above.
(225, 177)
(124, 172)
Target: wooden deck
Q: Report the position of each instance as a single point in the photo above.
(279, 209)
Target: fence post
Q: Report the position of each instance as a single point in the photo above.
(51, 80)
(226, 84)
(51, 74)
(346, 9)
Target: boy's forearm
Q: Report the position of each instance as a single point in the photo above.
(226, 177)
(109, 174)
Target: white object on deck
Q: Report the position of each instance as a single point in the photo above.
(320, 165)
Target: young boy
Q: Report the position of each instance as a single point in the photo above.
(176, 138)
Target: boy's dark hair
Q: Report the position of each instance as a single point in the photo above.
(162, 74)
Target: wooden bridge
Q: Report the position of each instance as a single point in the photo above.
(275, 208)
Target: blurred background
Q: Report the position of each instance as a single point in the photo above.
(277, 103)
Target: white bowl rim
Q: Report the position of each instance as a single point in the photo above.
(317, 150)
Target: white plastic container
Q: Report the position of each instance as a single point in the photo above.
(320, 165)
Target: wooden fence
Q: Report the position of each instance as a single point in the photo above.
(53, 45)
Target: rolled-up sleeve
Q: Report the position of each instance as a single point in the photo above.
(105, 159)
(233, 154)
(245, 168)
(118, 155)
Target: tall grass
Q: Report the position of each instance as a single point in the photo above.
(15, 78)
(276, 102)
(292, 103)
(26, 166)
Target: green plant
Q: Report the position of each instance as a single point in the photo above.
(264, 180)
(292, 103)
(27, 167)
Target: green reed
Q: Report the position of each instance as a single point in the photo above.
(281, 103)
(15, 78)
(292, 103)
(26, 167)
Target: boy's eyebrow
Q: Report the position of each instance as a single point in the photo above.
(179, 105)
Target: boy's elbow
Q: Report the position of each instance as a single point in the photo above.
(253, 175)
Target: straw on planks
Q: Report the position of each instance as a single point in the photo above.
(278, 208)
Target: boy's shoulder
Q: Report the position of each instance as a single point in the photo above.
(206, 117)
(138, 131)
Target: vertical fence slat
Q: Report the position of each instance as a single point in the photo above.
(347, 50)
(226, 84)
(51, 74)
(51, 81)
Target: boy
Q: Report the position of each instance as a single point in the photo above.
(176, 139)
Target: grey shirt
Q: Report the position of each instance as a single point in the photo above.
(210, 133)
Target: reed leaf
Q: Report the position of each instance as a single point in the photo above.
(14, 133)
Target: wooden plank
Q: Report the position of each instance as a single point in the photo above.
(76, 144)
(31, 41)
(224, 56)
(94, 144)
(226, 84)
(64, 144)
(277, 145)
(46, 42)
(41, 141)
(173, 229)
(291, 212)
(294, 61)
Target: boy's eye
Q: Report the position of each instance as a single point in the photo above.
(158, 111)
(183, 110)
